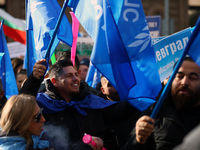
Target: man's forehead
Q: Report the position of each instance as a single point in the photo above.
(189, 66)
(68, 69)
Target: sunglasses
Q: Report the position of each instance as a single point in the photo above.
(38, 116)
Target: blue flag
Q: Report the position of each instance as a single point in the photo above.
(195, 44)
(42, 17)
(93, 76)
(122, 49)
(6, 71)
(1, 56)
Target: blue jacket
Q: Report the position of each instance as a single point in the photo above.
(16, 142)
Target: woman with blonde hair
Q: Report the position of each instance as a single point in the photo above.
(22, 125)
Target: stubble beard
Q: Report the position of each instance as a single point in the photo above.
(184, 102)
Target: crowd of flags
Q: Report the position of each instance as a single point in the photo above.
(122, 51)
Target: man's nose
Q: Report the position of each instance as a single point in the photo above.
(75, 77)
(185, 81)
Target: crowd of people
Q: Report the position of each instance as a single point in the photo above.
(55, 111)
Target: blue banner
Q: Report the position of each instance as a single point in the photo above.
(168, 50)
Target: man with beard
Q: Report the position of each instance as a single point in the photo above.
(69, 105)
(178, 115)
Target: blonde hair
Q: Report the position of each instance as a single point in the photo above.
(17, 115)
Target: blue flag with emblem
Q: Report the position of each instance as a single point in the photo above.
(42, 17)
(122, 50)
(6, 71)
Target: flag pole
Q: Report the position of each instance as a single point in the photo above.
(169, 83)
(3, 76)
(27, 43)
(56, 29)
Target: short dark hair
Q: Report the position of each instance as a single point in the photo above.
(16, 62)
(85, 61)
(56, 69)
(67, 55)
(187, 58)
(22, 71)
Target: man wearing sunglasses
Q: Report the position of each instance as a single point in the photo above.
(71, 106)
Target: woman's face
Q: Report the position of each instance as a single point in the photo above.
(36, 125)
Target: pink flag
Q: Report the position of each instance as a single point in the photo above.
(75, 27)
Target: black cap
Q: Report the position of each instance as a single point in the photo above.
(85, 61)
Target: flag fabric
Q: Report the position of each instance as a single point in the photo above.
(13, 27)
(122, 50)
(75, 28)
(30, 55)
(6, 71)
(93, 76)
(1, 56)
(41, 18)
(194, 45)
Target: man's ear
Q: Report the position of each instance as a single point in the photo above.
(102, 90)
(79, 71)
(53, 81)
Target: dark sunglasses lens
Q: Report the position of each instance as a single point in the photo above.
(38, 117)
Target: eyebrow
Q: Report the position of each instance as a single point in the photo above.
(70, 73)
(191, 73)
(194, 73)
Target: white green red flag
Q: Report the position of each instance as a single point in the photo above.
(13, 27)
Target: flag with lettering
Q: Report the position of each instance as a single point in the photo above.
(6, 71)
(122, 50)
(168, 50)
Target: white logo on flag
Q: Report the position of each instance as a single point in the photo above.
(142, 39)
(34, 5)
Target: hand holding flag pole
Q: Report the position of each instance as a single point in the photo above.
(187, 50)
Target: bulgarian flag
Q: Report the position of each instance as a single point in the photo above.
(13, 27)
